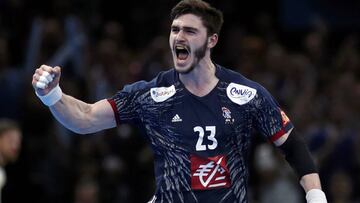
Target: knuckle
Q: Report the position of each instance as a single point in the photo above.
(39, 71)
(45, 67)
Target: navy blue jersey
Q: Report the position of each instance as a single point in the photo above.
(201, 144)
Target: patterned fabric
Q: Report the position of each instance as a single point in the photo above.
(201, 144)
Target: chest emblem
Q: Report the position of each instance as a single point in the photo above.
(227, 115)
(209, 172)
(240, 94)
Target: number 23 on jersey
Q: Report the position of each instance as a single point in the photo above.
(209, 132)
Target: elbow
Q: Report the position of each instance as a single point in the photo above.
(298, 155)
(84, 131)
(83, 126)
(77, 129)
(80, 131)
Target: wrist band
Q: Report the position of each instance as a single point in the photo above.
(52, 97)
(316, 196)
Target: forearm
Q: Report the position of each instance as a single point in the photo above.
(312, 186)
(73, 114)
(310, 181)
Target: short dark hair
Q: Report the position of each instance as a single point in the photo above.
(211, 17)
(7, 125)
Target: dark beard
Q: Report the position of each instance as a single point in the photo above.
(199, 54)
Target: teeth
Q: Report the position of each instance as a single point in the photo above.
(180, 47)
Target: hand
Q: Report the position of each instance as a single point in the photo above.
(45, 79)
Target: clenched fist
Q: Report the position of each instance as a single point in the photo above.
(45, 79)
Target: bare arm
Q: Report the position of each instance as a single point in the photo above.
(81, 117)
(312, 186)
(74, 114)
(310, 181)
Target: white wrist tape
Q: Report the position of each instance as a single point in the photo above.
(52, 97)
(315, 196)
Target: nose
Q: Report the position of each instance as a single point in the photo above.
(180, 36)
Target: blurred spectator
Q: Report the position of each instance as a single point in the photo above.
(12, 84)
(10, 145)
(341, 188)
(86, 191)
(275, 181)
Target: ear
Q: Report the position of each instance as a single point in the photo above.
(212, 40)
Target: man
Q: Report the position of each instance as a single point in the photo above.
(10, 144)
(198, 117)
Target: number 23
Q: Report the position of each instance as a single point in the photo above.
(199, 145)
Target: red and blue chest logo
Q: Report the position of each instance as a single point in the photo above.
(209, 173)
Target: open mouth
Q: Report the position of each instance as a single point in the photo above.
(182, 52)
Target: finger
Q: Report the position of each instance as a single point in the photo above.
(48, 76)
(46, 68)
(44, 79)
(36, 77)
(56, 70)
(39, 71)
(41, 85)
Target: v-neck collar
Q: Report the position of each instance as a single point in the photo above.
(218, 74)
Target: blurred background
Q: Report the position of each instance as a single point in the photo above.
(306, 53)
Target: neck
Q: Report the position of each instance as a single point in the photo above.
(202, 79)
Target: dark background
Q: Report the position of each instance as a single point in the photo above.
(306, 53)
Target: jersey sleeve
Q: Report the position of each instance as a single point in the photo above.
(125, 103)
(270, 120)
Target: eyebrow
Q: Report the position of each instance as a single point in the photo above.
(186, 28)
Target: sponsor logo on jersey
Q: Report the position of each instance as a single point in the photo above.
(160, 94)
(209, 172)
(176, 118)
(240, 94)
(227, 115)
